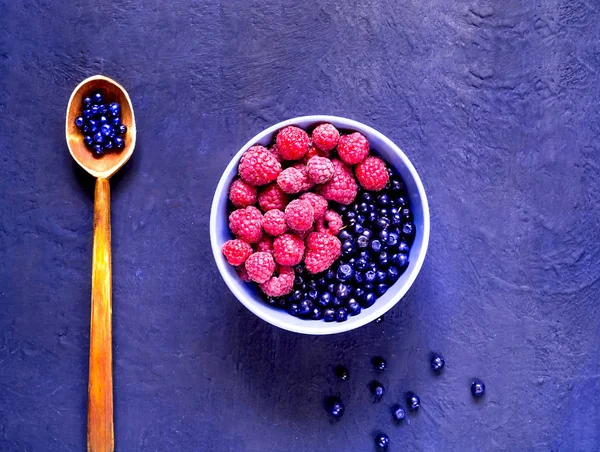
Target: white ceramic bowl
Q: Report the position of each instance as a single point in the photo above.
(250, 295)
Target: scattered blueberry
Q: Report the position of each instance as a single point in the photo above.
(382, 441)
(79, 121)
(393, 274)
(477, 388)
(437, 362)
(342, 373)
(377, 390)
(414, 402)
(335, 407)
(398, 413)
(87, 113)
(119, 142)
(87, 102)
(122, 129)
(379, 363)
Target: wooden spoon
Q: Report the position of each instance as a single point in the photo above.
(100, 432)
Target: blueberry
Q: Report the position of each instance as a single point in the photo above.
(312, 294)
(97, 97)
(368, 287)
(358, 292)
(348, 247)
(293, 309)
(366, 197)
(106, 130)
(393, 239)
(362, 241)
(345, 273)
(87, 102)
(342, 208)
(330, 287)
(393, 274)
(437, 362)
(344, 235)
(87, 113)
(396, 219)
(371, 218)
(477, 388)
(383, 200)
(329, 315)
(365, 254)
(355, 207)
(342, 291)
(383, 212)
(401, 202)
(368, 300)
(363, 207)
(361, 219)
(383, 236)
(403, 248)
(370, 276)
(98, 138)
(408, 229)
(358, 279)
(86, 128)
(413, 400)
(382, 223)
(329, 274)
(377, 390)
(401, 260)
(342, 373)
(114, 109)
(316, 314)
(379, 319)
(305, 307)
(102, 109)
(398, 413)
(379, 363)
(382, 441)
(87, 139)
(103, 119)
(97, 150)
(299, 281)
(349, 216)
(383, 259)
(108, 145)
(324, 300)
(380, 276)
(296, 295)
(395, 185)
(336, 302)
(95, 109)
(361, 263)
(406, 214)
(376, 246)
(122, 129)
(380, 289)
(357, 229)
(353, 307)
(367, 233)
(116, 121)
(94, 126)
(79, 121)
(119, 142)
(335, 407)
(341, 315)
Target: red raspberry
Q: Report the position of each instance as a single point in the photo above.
(322, 251)
(290, 180)
(299, 215)
(273, 222)
(318, 203)
(236, 251)
(243, 273)
(273, 150)
(246, 224)
(272, 197)
(288, 249)
(265, 245)
(320, 169)
(353, 148)
(260, 266)
(306, 182)
(342, 187)
(331, 223)
(281, 285)
(325, 137)
(292, 143)
(372, 174)
(313, 152)
(258, 166)
(242, 194)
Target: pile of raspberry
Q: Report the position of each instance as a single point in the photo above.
(285, 205)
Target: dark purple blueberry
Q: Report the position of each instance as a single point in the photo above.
(357, 229)
(437, 362)
(392, 274)
(94, 126)
(398, 413)
(408, 229)
(313, 294)
(293, 309)
(368, 287)
(106, 130)
(366, 197)
(88, 140)
(336, 302)
(383, 200)
(348, 247)
(370, 276)
(296, 295)
(413, 400)
(122, 129)
(335, 407)
(376, 245)
(342, 373)
(324, 300)
(362, 241)
(349, 217)
(305, 307)
(395, 185)
(341, 315)
(116, 122)
(401, 202)
(477, 388)
(329, 315)
(108, 144)
(345, 272)
(380, 289)
(377, 390)
(368, 300)
(342, 291)
(403, 248)
(396, 219)
(380, 276)
(401, 260)
(98, 138)
(383, 259)
(353, 307)
(103, 119)
(379, 363)
(363, 207)
(87, 102)
(119, 142)
(330, 287)
(358, 292)
(87, 113)
(361, 263)
(361, 219)
(371, 218)
(383, 236)
(393, 239)
(382, 441)
(102, 109)
(95, 109)
(97, 98)
(114, 109)
(406, 214)
(344, 235)
(316, 314)
(97, 150)
(79, 121)
(382, 223)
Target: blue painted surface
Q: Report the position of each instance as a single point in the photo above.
(495, 103)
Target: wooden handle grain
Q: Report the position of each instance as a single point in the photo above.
(100, 390)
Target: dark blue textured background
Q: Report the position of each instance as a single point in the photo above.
(496, 103)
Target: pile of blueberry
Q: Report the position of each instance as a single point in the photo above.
(101, 125)
(376, 239)
(336, 407)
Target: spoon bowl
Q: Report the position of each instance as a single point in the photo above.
(107, 165)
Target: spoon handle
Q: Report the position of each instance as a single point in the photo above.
(100, 390)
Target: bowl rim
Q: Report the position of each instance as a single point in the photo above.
(334, 327)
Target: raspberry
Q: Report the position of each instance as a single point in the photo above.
(277, 286)
(273, 222)
(299, 215)
(318, 203)
(246, 224)
(260, 266)
(290, 180)
(313, 152)
(243, 273)
(304, 234)
(273, 150)
(258, 166)
(265, 245)
(272, 197)
(306, 182)
(372, 174)
(236, 251)
(342, 187)
(325, 137)
(292, 143)
(331, 223)
(242, 194)
(322, 251)
(353, 148)
(320, 169)
(288, 249)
